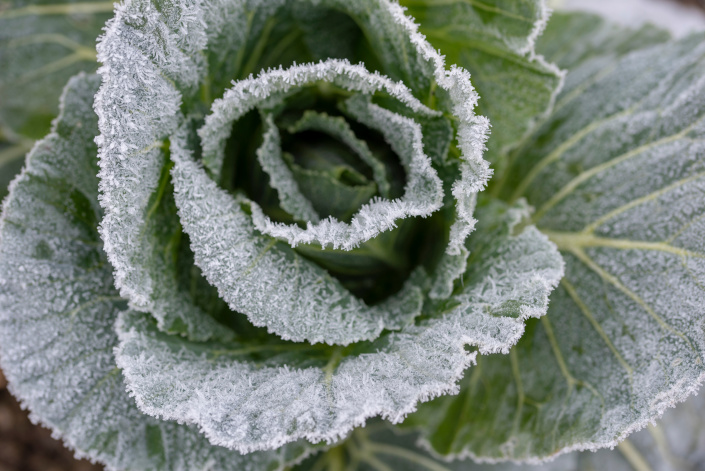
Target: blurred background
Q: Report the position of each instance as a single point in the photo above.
(27, 447)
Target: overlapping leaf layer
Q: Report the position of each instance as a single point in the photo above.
(280, 233)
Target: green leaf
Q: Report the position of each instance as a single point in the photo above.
(41, 46)
(328, 194)
(381, 447)
(617, 177)
(673, 444)
(58, 306)
(269, 155)
(337, 127)
(494, 40)
(592, 48)
(265, 278)
(259, 396)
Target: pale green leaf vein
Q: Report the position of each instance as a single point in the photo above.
(590, 263)
(572, 292)
(639, 201)
(587, 174)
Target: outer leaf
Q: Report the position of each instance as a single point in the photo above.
(381, 447)
(494, 40)
(593, 46)
(58, 306)
(675, 444)
(252, 397)
(140, 227)
(617, 176)
(41, 46)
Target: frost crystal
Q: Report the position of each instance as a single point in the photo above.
(58, 307)
(423, 193)
(200, 262)
(239, 402)
(267, 280)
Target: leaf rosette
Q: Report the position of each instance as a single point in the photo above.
(279, 242)
(294, 251)
(280, 233)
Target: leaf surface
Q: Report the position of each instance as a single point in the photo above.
(674, 444)
(495, 41)
(617, 177)
(58, 307)
(41, 46)
(262, 396)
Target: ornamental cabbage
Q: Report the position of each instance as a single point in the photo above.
(278, 234)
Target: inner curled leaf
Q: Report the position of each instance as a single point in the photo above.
(321, 164)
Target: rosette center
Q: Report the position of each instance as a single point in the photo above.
(330, 159)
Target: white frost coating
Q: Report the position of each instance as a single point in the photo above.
(620, 191)
(146, 70)
(270, 158)
(259, 91)
(472, 131)
(423, 193)
(268, 281)
(337, 126)
(249, 404)
(137, 107)
(449, 269)
(57, 314)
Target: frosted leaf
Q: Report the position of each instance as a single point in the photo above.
(674, 443)
(253, 397)
(266, 279)
(58, 307)
(495, 40)
(617, 176)
(423, 193)
(337, 127)
(41, 47)
(140, 222)
(270, 86)
(270, 158)
(595, 47)
(149, 75)
(449, 269)
(379, 446)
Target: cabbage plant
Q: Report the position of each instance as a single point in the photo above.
(327, 234)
